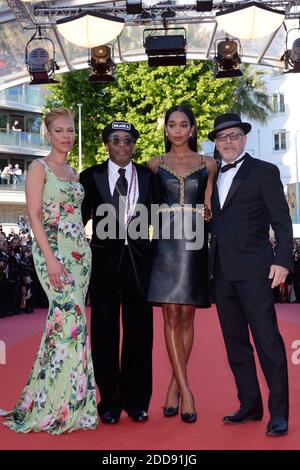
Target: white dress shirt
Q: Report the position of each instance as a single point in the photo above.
(113, 176)
(225, 179)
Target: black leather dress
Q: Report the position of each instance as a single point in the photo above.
(180, 266)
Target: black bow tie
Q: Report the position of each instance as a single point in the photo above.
(231, 165)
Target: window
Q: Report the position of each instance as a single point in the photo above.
(279, 139)
(33, 124)
(13, 94)
(3, 122)
(278, 103)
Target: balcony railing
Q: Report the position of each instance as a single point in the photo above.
(12, 187)
(25, 95)
(24, 139)
(11, 183)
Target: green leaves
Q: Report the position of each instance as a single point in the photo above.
(142, 95)
(250, 96)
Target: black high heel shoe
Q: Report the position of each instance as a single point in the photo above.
(189, 417)
(171, 411)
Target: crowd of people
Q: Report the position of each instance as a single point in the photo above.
(289, 291)
(11, 175)
(240, 198)
(20, 290)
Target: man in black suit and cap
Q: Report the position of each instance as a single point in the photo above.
(248, 197)
(120, 271)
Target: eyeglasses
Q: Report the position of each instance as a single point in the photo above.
(231, 136)
(116, 141)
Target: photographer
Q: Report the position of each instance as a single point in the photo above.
(14, 275)
(26, 269)
(296, 278)
(6, 288)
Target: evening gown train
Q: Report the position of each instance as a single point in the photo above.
(180, 275)
(60, 393)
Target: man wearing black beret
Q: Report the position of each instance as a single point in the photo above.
(120, 271)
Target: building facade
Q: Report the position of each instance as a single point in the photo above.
(278, 141)
(22, 139)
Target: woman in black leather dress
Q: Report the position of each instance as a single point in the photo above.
(179, 278)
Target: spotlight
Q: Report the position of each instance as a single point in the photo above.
(134, 7)
(102, 67)
(203, 5)
(171, 44)
(296, 50)
(165, 49)
(227, 59)
(40, 61)
(291, 57)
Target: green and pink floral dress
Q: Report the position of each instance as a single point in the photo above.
(60, 393)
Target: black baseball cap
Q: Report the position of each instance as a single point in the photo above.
(119, 126)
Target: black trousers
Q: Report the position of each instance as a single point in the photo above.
(10, 297)
(124, 381)
(244, 304)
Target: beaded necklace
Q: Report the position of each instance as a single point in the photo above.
(130, 199)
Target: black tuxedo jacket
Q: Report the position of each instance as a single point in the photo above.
(240, 229)
(107, 253)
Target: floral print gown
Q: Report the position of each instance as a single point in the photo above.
(60, 393)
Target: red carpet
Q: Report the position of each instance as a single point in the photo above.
(210, 379)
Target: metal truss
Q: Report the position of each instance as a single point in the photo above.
(44, 15)
(41, 14)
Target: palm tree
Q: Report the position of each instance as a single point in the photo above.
(250, 96)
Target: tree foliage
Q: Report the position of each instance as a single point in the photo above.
(250, 96)
(142, 95)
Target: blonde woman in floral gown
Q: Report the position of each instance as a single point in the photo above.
(60, 393)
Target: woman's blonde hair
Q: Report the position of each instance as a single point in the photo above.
(55, 113)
